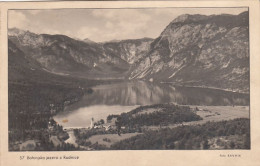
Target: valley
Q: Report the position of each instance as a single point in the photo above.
(190, 84)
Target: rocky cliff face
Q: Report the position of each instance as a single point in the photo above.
(193, 50)
(129, 50)
(198, 50)
(61, 54)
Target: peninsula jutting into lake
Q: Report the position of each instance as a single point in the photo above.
(182, 84)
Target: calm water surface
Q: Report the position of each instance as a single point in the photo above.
(123, 97)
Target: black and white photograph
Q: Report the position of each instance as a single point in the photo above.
(107, 79)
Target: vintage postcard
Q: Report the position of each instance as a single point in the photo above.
(130, 83)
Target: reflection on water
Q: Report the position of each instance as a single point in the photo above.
(122, 97)
(143, 93)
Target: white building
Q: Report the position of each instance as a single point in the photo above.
(92, 123)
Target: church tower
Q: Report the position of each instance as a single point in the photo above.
(92, 123)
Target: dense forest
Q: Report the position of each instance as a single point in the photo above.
(34, 102)
(31, 105)
(233, 134)
(163, 115)
(35, 95)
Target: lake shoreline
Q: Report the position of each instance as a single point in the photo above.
(99, 87)
(208, 113)
(208, 87)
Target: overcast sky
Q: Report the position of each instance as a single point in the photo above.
(104, 24)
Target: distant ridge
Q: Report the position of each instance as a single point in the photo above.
(193, 50)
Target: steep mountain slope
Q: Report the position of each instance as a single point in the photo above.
(24, 70)
(199, 50)
(86, 40)
(63, 55)
(129, 50)
(193, 50)
(20, 67)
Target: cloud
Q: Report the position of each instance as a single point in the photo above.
(109, 25)
(120, 24)
(104, 24)
(17, 19)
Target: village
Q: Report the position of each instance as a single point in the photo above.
(102, 134)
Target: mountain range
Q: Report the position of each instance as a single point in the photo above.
(193, 50)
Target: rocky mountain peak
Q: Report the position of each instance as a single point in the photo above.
(18, 32)
(187, 17)
(193, 50)
(199, 50)
(15, 32)
(87, 40)
(60, 53)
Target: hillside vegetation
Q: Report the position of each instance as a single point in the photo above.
(162, 114)
(233, 134)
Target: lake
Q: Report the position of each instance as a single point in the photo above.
(125, 96)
